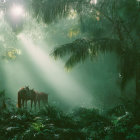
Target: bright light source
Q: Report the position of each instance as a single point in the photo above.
(93, 2)
(17, 11)
(2, 1)
(72, 14)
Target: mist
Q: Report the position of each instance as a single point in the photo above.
(89, 84)
(69, 70)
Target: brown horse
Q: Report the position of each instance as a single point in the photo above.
(41, 96)
(25, 94)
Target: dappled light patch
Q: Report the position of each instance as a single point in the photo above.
(73, 32)
(12, 54)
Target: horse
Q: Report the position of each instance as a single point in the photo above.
(40, 96)
(25, 94)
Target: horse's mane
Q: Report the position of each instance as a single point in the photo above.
(22, 88)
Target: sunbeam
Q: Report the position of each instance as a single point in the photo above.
(51, 71)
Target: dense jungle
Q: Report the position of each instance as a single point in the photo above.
(69, 69)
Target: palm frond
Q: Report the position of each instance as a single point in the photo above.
(78, 46)
(106, 44)
(81, 49)
(76, 58)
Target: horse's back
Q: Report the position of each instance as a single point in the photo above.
(23, 93)
(42, 96)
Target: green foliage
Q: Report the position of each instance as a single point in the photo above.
(80, 124)
(81, 49)
(50, 10)
(109, 26)
(8, 42)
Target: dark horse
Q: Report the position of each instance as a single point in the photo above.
(25, 94)
(40, 96)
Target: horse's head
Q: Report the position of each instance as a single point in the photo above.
(32, 91)
(27, 88)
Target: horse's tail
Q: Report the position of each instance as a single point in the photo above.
(19, 100)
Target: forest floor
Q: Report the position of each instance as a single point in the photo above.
(51, 123)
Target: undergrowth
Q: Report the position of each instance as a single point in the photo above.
(50, 123)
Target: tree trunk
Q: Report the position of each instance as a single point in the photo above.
(137, 97)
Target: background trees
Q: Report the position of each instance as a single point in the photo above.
(109, 25)
(105, 25)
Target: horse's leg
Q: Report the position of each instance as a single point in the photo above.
(23, 103)
(47, 100)
(44, 103)
(26, 103)
(39, 104)
(35, 104)
(31, 104)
